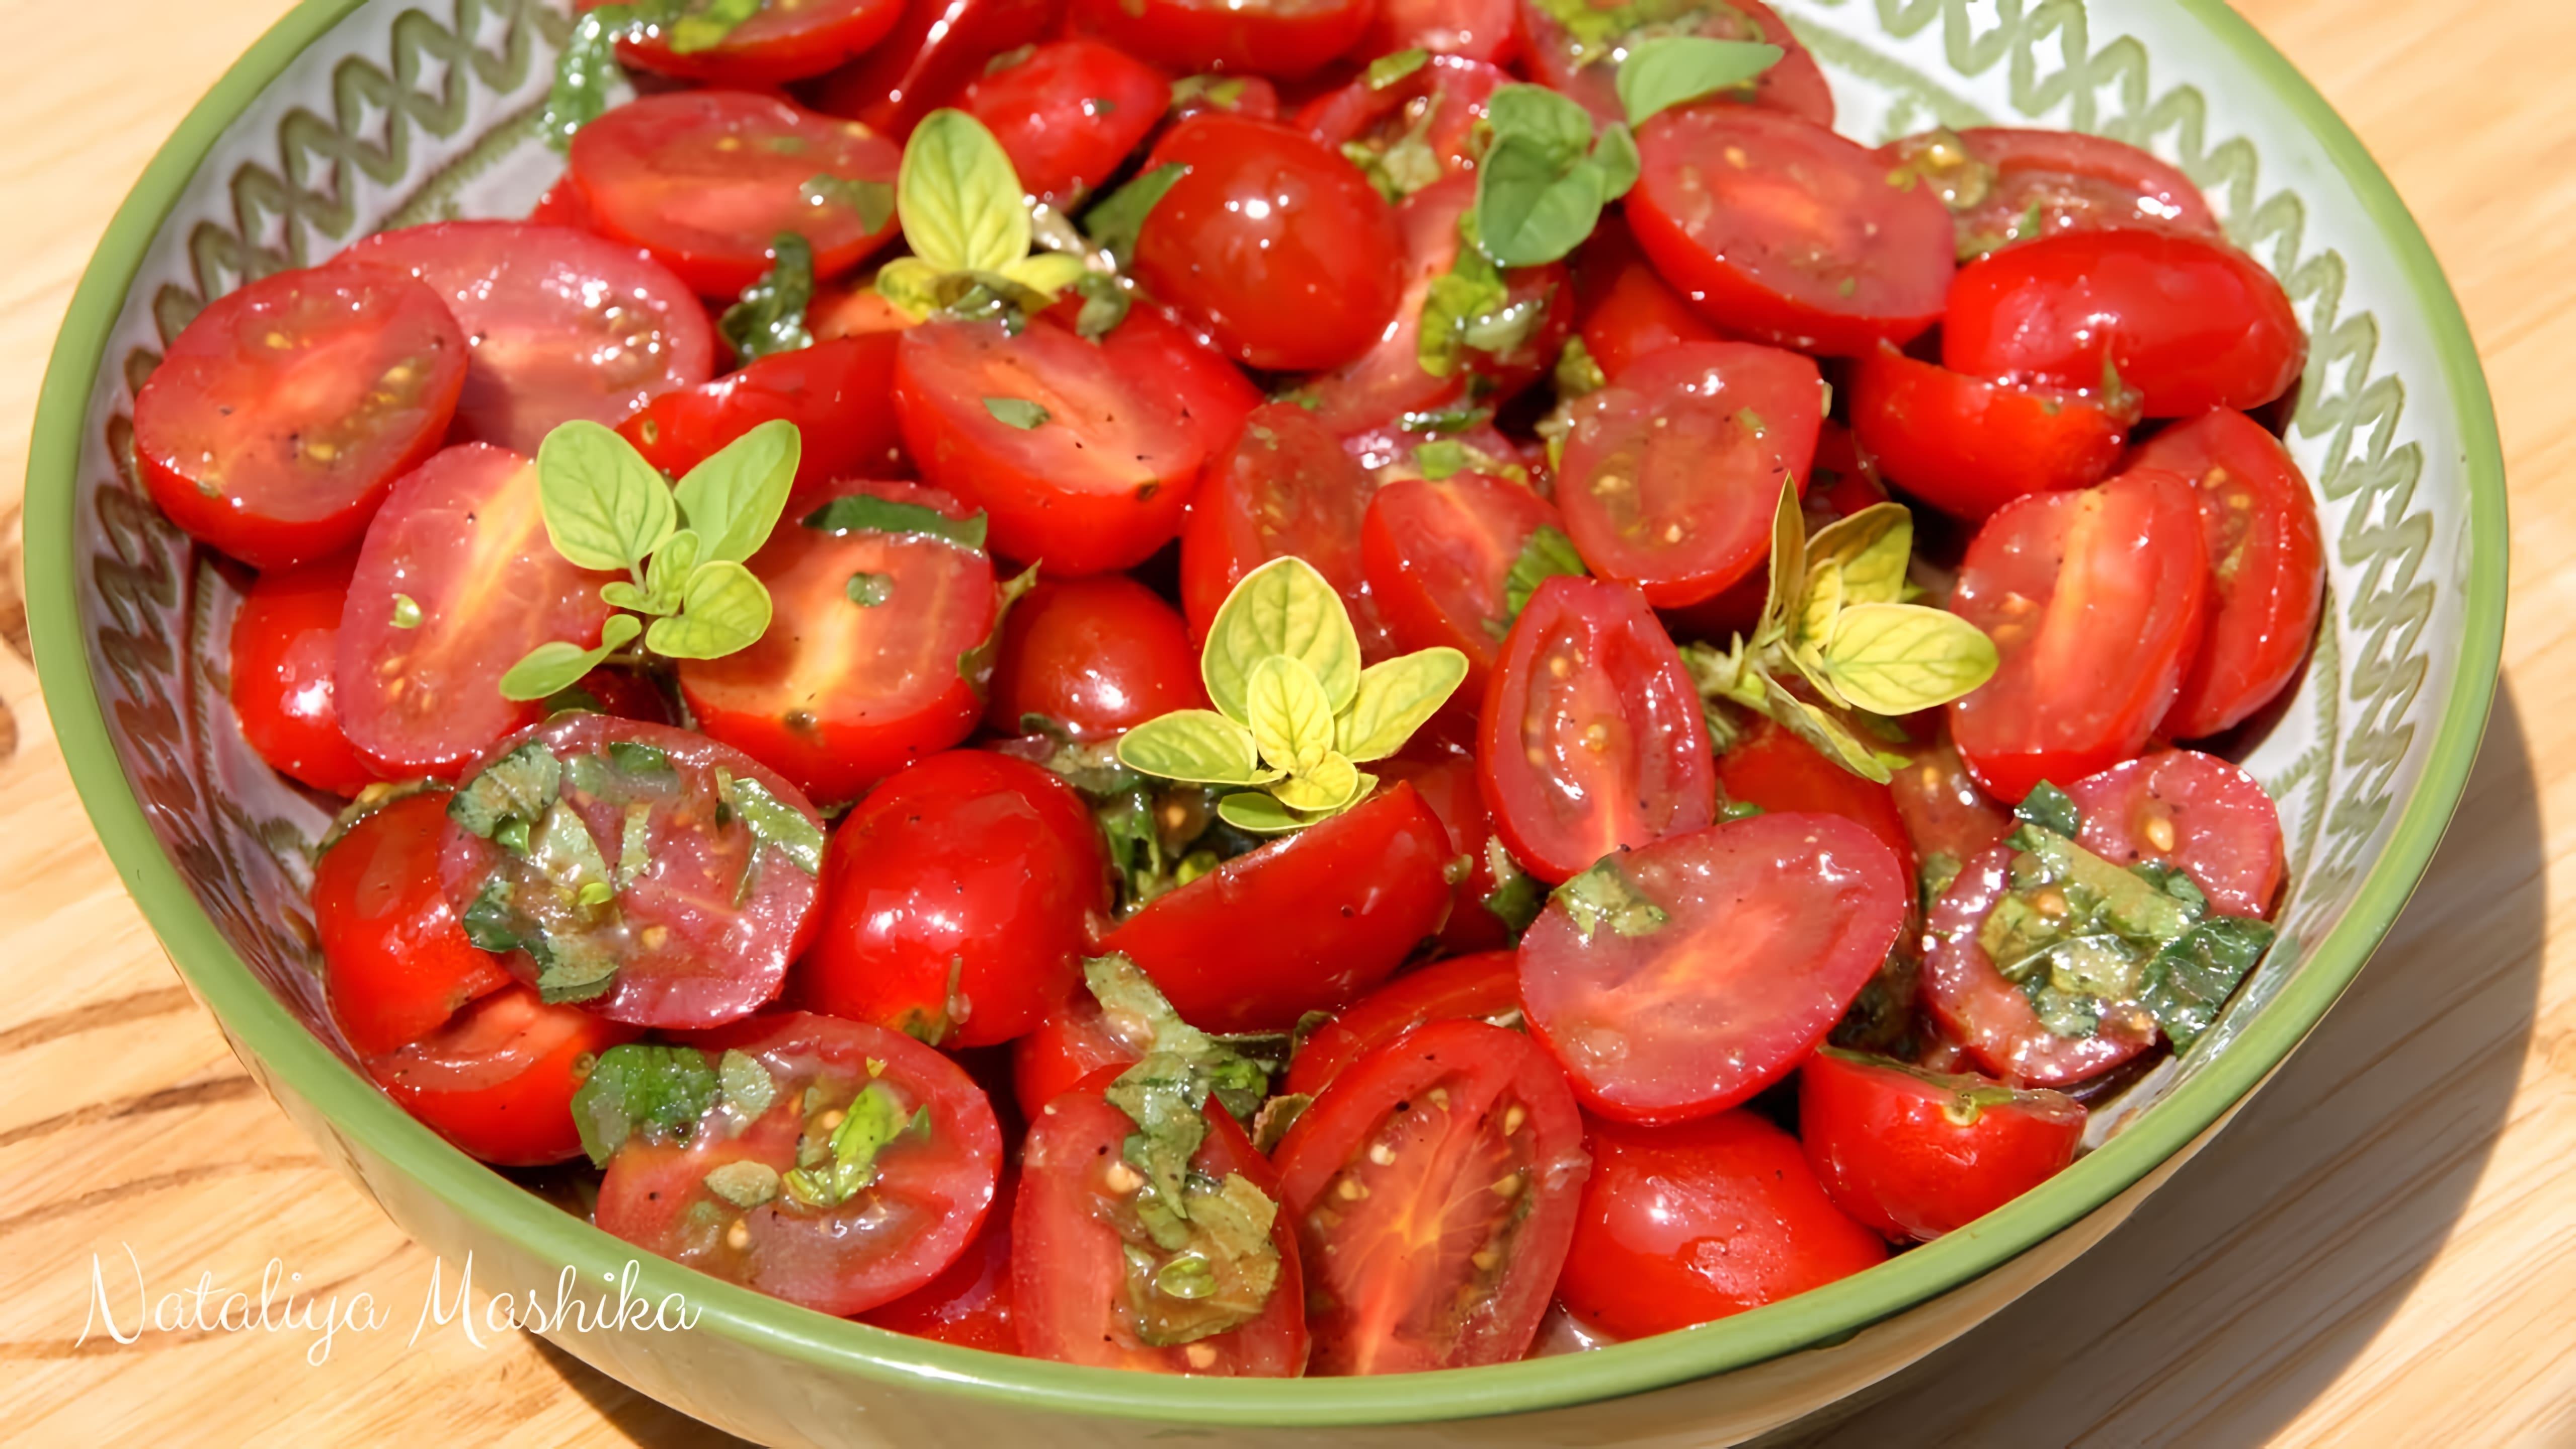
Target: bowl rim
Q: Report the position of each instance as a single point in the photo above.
(258, 1023)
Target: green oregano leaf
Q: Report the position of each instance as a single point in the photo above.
(555, 666)
(1894, 659)
(657, 1092)
(1546, 554)
(1386, 70)
(864, 513)
(958, 196)
(1113, 224)
(1014, 412)
(1283, 607)
(1197, 745)
(605, 507)
(1397, 697)
(724, 609)
(770, 315)
(2051, 808)
(773, 821)
(1670, 70)
(1605, 896)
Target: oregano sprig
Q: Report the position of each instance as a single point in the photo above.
(967, 221)
(1545, 177)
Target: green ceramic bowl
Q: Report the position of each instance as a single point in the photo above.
(353, 115)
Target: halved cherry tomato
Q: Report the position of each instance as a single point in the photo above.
(285, 656)
(957, 901)
(835, 392)
(1438, 556)
(1285, 486)
(1486, 30)
(1308, 923)
(1991, 1016)
(283, 413)
(2012, 186)
(1433, 1187)
(1271, 244)
(1069, 1270)
(1480, 987)
(395, 964)
(1638, 316)
(1283, 38)
(1572, 49)
(1778, 771)
(2258, 520)
(1710, 964)
(1945, 813)
(456, 582)
(1968, 445)
(929, 1195)
(2194, 811)
(1098, 656)
(934, 50)
(1690, 1223)
(1392, 454)
(1250, 96)
(2094, 600)
(1591, 737)
(781, 40)
(1778, 229)
(1840, 482)
(497, 1078)
(1073, 1042)
(560, 206)
(1916, 1154)
(969, 1303)
(860, 671)
(1419, 128)
(560, 324)
(854, 309)
(1068, 114)
(1673, 472)
(704, 180)
(2188, 323)
(1098, 474)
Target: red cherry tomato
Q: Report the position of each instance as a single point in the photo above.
(1968, 446)
(1285, 486)
(1272, 37)
(834, 392)
(1778, 771)
(1448, 785)
(1273, 245)
(1433, 1187)
(2258, 521)
(1915, 1154)
(1308, 923)
(2189, 323)
(969, 1303)
(842, 692)
(497, 1078)
(1420, 127)
(1992, 1017)
(1588, 69)
(1945, 813)
(1098, 656)
(934, 50)
(854, 310)
(1839, 483)
(1485, 30)
(1591, 737)
(2194, 811)
(2044, 183)
(560, 324)
(1437, 557)
(1768, 928)
(957, 901)
(1069, 1270)
(560, 206)
(285, 654)
(1099, 476)
(1249, 96)
(1068, 114)
(283, 413)
(1073, 1042)
(782, 40)
(1673, 472)
(1480, 987)
(395, 964)
(2094, 601)
(1661, 1203)
(1638, 316)
(462, 540)
(893, 1237)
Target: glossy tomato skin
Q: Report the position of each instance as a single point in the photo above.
(899, 1233)
(282, 414)
(2193, 811)
(1434, 1187)
(1438, 555)
(777, 43)
(285, 655)
(1480, 987)
(1993, 1018)
(1448, 784)
(1945, 813)
(1806, 244)
(462, 536)
(1188, 37)
(1778, 771)
(2189, 323)
(969, 1303)
(1275, 247)
(559, 324)
(1589, 72)
(834, 392)
(1662, 1201)
(1591, 737)
(1968, 445)
(497, 1078)
(395, 963)
(2258, 521)
(1637, 316)
(2094, 600)
(2078, 183)
(957, 901)
(1771, 926)
(1891, 1147)
(1673, 472)
(1481, 30)
(1098, 656)
(1069, 114)
(934, 50)
(1072, 1043)
(840, 694)
(1308, 923)
(1284, 485)
(1439, 103)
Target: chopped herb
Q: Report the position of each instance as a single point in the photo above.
(1443, 420)
(749, 1089)
(1441, 458)
(1517, 896)
(1105, 304)
(635, 758)
(1547, 554)
(770, 317)
(1221, 91)
(1008, 59)
(1015, 412)
(1577, 375)
(2191, 979)
(871, 201)
(869, 590)
(773, 821)
(1934, 876)
(1386, 70)
(1113, 224)
(1604, 896)
(517, 788)
(1739, 810)
(744, 1183)
(660, 1092)
(863, 513)
(873, 1121)
(635, 845)
(2050, 808)
(406, 612)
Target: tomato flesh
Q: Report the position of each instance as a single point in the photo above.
(1068, 115)
(1777, 771)
(1968, 445)
(1284, 38)
(1636, 317)
(2045, 183)
(1480, 987)
(1572, 49)
(835, 392)
(1992, 1017)
(783, 40)
(1438, 556)
(2193, 811)
(1448, 784)
(1484, 30)
(285, 657)
(1915, 1155)
(934, 50)
(1284, 486)
(1096, 656)
(395, 964)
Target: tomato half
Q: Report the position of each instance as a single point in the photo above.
(1480, 987)
(1307, 923)
(395, 964)
(2194, 811)
(781, 40)
(2258, 521)
(462, 541)
(2017, 185)
(1780, 230)
(1968, 446)
(1486, 30)
(1778, 771)
(1994, 1018)
(969, 1303)
(1433, 1186)
(1438, 556)
(1284, 486)
(1591, 736)
(1416, 130)
(1250, 96)
(2094, 600)
(929, 1195)
(1284, 38)
(1747, 943)
(1273, 245)
(1916, 1154)
(2188, 323)
(497, 1078)
(1448, 784)
(835, 392)
(1673, 472)
(932, 52)
(1098, 656)
(1068, 114)
(1945, 814)
(1687, 1224)
(1637, 316)
(285, 656)
(1577, 46)
(1073, 1042)
(860, 671)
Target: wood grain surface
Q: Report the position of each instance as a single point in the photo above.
(2378, 1251)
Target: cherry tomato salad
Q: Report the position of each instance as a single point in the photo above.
(1253, 689)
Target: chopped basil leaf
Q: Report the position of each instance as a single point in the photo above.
(1220, 91)
(520, 786)
(1113, 224)
(1739, 810)
(585, 72)
(2050, 808)
(871, 201)
(1204, 1064)
(563, 851)
(872, 1122)
(1577, 374)
(1386, 70)
(658, 1091)
(744, 1183)
(2191, 979)
(773, 821)
(1604, 896)
(748, 1088)
(639, 759)
(635, 844)
(1444, 420)
(1277, 1115)
(1933, 877)
(1517, 896)
(1548, 554)
(492, 924)
(572, 969)
(863, 513)
(1015, 412)
(1470, 308)
(1104, 305)
(770, 317)
(868, 590)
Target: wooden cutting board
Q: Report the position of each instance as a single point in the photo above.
(2376, 1252)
